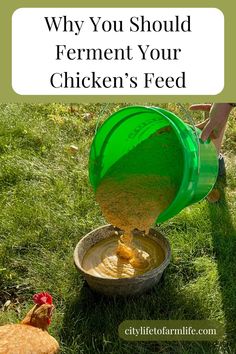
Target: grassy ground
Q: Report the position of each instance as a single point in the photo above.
(47, 205)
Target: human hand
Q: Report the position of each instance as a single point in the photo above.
(214, 125)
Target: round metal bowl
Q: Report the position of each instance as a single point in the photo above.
(122, 286)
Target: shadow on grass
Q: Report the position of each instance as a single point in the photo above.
(224, 243)
(91, 320)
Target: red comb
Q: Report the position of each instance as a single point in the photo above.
(42, 298)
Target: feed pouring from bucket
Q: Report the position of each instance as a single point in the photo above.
(146, 165)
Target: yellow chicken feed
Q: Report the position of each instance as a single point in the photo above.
(131, 202)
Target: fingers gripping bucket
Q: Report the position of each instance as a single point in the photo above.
(176, 151)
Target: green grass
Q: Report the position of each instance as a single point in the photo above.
(47, 205)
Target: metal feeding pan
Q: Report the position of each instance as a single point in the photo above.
(121, 286)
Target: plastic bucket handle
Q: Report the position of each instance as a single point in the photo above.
(187, 115)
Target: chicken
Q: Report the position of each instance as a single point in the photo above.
(30, 336)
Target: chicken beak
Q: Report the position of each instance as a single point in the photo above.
(50, 311)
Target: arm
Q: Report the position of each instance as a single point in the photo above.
(218, 115)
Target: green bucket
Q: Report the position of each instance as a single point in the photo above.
(174, 150)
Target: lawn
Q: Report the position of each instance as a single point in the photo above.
(47, 205)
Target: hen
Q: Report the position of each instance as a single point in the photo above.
(30, 336)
